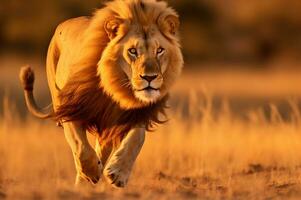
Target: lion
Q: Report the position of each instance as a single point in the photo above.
(110, 75)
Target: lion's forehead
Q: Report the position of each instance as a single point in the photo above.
(150, 36)
(145, 31)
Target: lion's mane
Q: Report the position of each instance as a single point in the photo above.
(83, 99)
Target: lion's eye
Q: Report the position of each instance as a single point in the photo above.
(160, 50)
(133, 51)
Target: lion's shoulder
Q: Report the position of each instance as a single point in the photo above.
(73, 25)
(68, 40)
(71, 30)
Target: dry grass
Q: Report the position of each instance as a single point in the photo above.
(229, 150)
(220, 157)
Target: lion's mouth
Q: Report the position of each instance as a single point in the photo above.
(148, 88)
(148, 94)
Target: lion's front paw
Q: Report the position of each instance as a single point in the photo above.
(117, 176)
(117, 172)
(89, 166)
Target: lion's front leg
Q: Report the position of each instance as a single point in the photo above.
(119, 166)
(88, 165)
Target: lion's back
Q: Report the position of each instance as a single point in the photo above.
(69, 32)
(69, 37)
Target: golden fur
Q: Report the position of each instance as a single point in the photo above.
(88, 94)
(98, 88)
(110, 74)
(99, 113)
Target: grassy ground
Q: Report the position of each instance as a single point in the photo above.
(232, 135)
(203, 159)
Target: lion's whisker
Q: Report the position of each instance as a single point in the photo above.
(126, 84)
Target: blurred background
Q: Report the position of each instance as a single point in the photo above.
(245, 51)
(226, 31)
(235, 116)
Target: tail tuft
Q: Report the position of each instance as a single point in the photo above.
(27, 78)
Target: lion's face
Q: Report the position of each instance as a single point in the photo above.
(145, 61)
(141, 61)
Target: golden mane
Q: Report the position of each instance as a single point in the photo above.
(144, 14)
(85, 99)
(98, 112)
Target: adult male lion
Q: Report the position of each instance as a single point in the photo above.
(110, 75)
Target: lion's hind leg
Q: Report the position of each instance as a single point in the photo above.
(120, 164)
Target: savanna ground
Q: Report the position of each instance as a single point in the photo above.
(230, 136)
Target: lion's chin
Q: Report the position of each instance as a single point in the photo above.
(148, 96)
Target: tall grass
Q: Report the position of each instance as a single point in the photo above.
(198, 154)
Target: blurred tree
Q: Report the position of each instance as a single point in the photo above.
(212, 30)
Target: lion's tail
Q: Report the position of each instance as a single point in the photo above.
(27, 80)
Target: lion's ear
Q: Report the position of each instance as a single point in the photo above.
(111, 27)
(169, 24)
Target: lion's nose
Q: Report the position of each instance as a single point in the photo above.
(149, 78)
